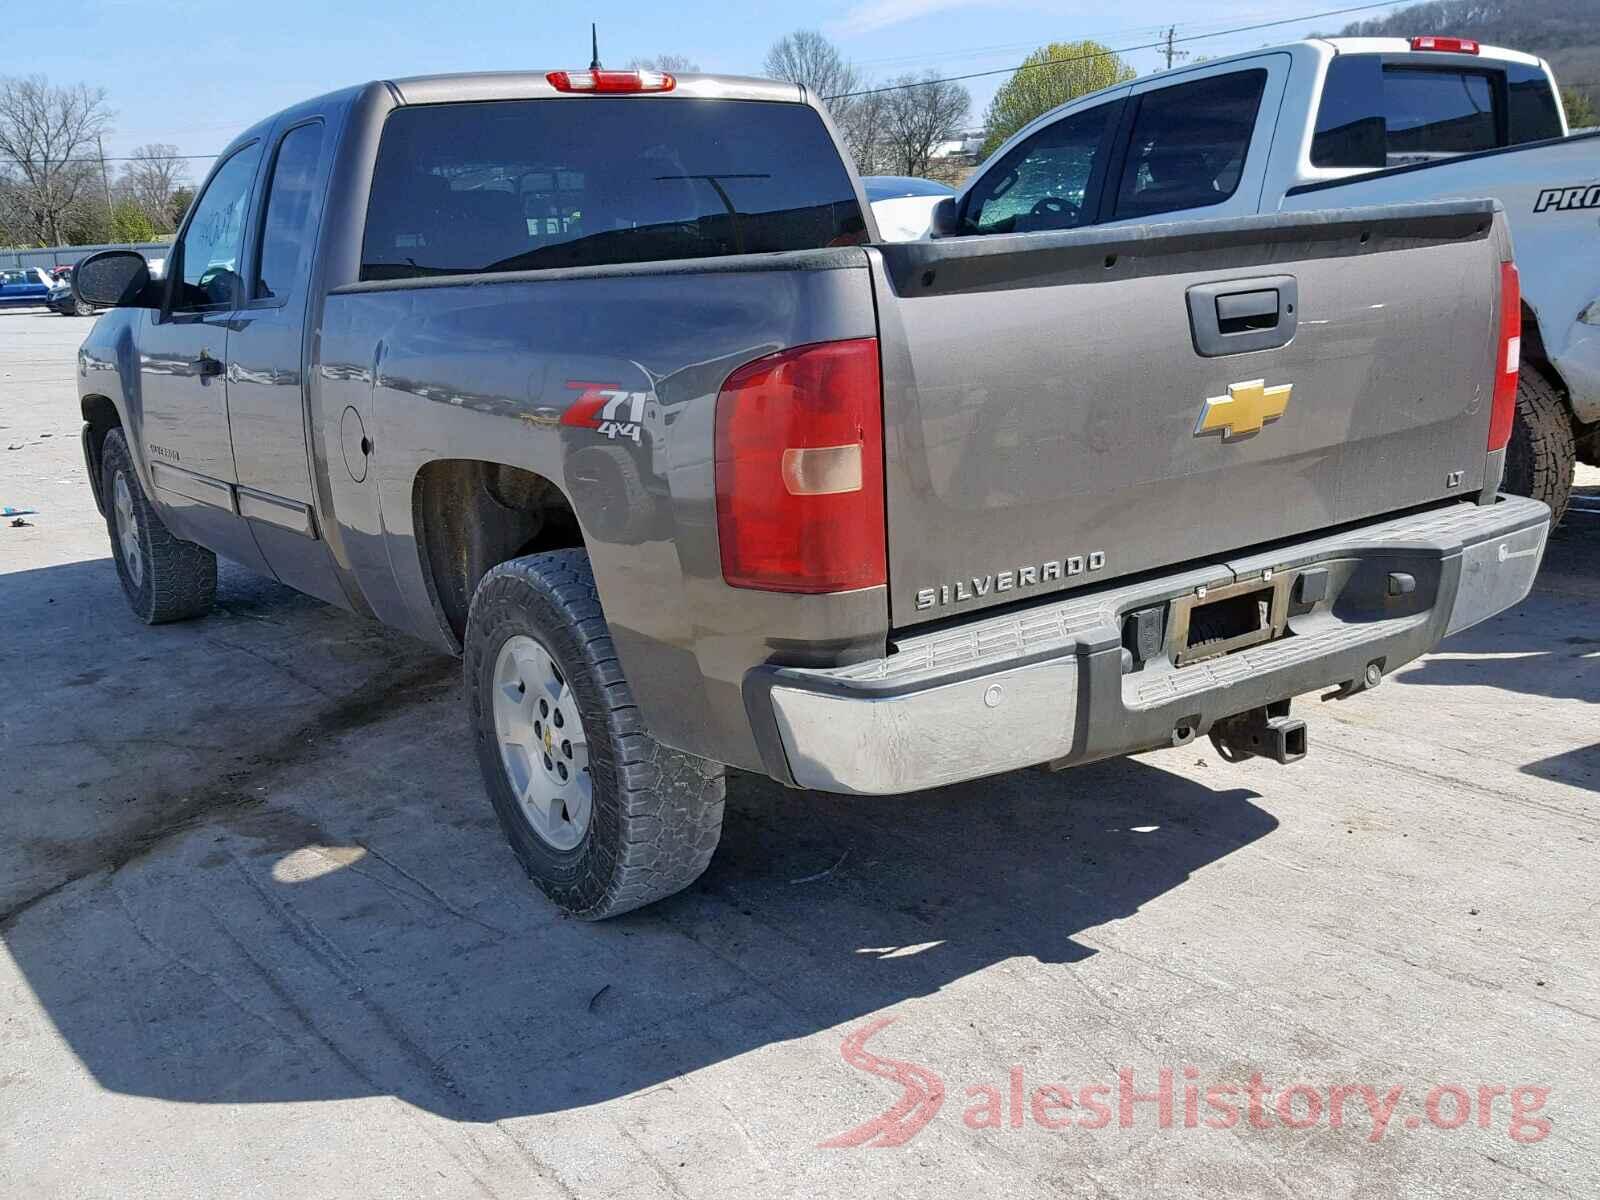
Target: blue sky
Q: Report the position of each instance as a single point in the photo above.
(193, 72)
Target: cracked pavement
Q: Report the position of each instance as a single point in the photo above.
(259, 933)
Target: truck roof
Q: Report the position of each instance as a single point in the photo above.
(1358, 45)
(530, 85)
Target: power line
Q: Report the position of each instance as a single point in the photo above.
(1159, 44)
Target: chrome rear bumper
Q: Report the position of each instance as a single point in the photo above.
(1051, 683)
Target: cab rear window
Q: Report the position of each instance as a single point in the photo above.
(534, 184)
(1388, 114)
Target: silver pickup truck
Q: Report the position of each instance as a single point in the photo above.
(604, 381)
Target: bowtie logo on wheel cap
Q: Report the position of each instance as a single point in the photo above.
(1244, 410)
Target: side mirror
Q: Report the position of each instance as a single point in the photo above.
(114, 279)
(945, 222)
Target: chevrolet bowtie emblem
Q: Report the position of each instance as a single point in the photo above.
(1245, 409)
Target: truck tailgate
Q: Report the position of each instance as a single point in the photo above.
(1051, 421)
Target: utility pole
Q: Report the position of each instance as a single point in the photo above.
(105, 180)
(1172, 54)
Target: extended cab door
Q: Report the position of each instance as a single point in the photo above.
(183, 350)
(1196, 146)
(267, 362)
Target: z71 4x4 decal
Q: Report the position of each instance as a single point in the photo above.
(600, 405)
(1563, 198)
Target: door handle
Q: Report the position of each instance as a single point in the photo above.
(1238, 316)
(206, 365)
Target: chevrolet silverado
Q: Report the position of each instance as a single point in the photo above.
(604, 381)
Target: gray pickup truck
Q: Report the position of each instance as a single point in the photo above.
(605, 382)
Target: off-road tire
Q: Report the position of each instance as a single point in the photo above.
(177, 580)
(656, 813)
(1540, 455)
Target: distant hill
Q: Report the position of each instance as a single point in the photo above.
(1566, 33)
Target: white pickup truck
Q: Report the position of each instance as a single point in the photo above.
(1334, 124)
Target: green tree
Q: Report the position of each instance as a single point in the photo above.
(1581, 112)
(1076, 69)
(130, 223)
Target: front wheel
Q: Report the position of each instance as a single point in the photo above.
(602, 816)
(80, 308)
(1540, 455)
(165, 578)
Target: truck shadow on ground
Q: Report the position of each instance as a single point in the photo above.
(1549, 645)
(337, 916)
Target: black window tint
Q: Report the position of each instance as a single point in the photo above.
(214, 238)
(1432, 112)
(531, 184)
(1189, 144)
(1350, 128)
(1531, 113)
(291, 212)
(1043, 182)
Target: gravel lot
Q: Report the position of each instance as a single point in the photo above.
(261, 935)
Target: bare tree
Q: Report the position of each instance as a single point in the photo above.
(151, 179)
(919, 114)
(671, 63)
(806, 57)
(47, 136)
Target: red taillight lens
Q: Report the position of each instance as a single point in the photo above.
(1447, 44)
(611, 82)
(800, 470)
(1508, 358)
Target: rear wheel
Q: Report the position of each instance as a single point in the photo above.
(1540, 455)
(602, 816)
(165, 578)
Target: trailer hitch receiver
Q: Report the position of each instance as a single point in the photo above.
(1268, 732)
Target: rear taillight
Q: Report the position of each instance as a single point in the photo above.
(611, 82)
(799, 470)
(1446, 44)
(1508, 358)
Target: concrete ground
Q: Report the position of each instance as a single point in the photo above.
(261, 935)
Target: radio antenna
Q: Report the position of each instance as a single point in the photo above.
(594, 46)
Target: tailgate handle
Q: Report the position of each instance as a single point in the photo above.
(1243, 315)
(1244, 311)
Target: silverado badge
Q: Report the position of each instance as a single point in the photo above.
(1244, 410)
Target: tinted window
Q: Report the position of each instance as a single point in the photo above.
(1374, 115)
(1531, 110)
(1043, 182)
(1430, 112)
(529, 184)
(214, 239)
(1350, 128)
(291, 213)
(1189, 144)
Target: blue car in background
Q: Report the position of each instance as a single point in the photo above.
(24, 287)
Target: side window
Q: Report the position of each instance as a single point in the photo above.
(1189, 144)
(212, 243)
(1043, 183)
(1350, 127)
(1531, 114)
(1432, 112)
(291, 213)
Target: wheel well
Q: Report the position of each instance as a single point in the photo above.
(471, 515)
(102, 417)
